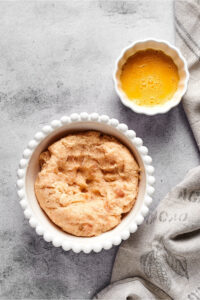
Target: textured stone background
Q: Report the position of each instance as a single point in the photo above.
(57, 58)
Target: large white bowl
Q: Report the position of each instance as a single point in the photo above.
(169, 50)
(29, 168)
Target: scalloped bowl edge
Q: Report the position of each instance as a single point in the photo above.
(169, 50)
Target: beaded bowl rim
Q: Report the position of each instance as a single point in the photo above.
(24, 163)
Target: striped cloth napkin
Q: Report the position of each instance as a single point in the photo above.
(162, 259)
(187, 24)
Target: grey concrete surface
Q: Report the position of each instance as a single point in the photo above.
(57, 58)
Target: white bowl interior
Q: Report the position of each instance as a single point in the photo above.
(33, 169)
(171, 51)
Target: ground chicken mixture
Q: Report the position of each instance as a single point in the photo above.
(87, 182)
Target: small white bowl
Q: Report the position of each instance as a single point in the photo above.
(29, 168)
(169, 50)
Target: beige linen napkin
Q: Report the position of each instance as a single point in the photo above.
(162, 259)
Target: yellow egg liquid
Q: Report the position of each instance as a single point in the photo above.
(149, 78)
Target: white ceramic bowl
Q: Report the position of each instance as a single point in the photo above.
(29, 168)
(169, 50)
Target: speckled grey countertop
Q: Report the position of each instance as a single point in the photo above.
(57, 58)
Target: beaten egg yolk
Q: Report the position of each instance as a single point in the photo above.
(149, 77)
